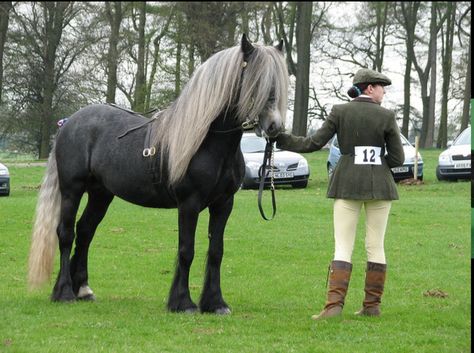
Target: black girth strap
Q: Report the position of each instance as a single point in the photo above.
(150, 152)
(266, 161)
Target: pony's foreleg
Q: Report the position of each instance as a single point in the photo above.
(180, 298)
(63, 288)
(211, 298)
(97, 205)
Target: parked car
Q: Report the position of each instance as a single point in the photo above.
(4, 180)
(290, 168)
(399, 173)
(455, 162)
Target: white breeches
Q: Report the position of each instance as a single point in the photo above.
(346, 216)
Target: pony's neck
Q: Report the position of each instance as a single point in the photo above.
(227, 120)
(226, 127)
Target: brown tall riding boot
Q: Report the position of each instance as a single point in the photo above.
(338, 283)
(374, 285)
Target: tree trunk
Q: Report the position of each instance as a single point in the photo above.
(266, 24)
(406, 97)
(287, 38)
(5, 7)
(191, 59)
(140, 87)
(156, 56)
(408, 21)
(54, 20)
(429, 137)
(381, 25)
(179, 46)
(427, 129)
(245, 18)
(115, 19)
(466, 117)
(446, 63)
(303, 41)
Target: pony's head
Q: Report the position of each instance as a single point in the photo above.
(244, 83)
(264, 87)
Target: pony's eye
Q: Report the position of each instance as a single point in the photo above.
(272, 98)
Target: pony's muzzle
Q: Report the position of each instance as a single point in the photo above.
(273, 129)
(272, 126)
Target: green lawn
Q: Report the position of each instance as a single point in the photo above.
(273, 277)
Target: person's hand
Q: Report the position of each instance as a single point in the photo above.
(275, 138)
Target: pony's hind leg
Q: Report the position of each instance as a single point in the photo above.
(69, 204)
(211, 297)
(180, 298)
(98, 202)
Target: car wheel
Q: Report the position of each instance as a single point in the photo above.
(439, 176)
(300, 184)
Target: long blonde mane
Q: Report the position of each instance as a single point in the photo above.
(214, 86)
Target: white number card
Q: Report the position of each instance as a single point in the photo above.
(367, 155)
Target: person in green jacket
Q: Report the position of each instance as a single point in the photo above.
(370, 144)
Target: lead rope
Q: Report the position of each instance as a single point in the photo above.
(267, 156)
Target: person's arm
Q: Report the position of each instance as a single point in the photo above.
(309, 143)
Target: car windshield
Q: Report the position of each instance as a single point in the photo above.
(405, 142)
(252, 144)
(464, 138)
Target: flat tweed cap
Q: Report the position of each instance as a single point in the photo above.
(370, 76)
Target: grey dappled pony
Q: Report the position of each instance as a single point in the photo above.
(187, 157)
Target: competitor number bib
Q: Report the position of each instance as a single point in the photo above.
(367, 155)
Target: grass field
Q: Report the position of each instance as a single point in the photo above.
(273, 277)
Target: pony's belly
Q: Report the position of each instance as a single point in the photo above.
(154, 197)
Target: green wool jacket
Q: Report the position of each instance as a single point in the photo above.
(361, 122)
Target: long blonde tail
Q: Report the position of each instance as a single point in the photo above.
(44, 240)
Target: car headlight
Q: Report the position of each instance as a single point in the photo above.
(303, 163)
(254, 166)
(3, 172)
(443, 158)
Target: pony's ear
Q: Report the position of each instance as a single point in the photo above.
(247, 47)
(279, 46)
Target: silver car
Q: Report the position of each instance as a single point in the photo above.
(4, 180)
(289, 167)
(455, 162)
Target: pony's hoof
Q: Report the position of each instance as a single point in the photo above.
(87, 298)
(223, 311)
(63, 293)
(190, 311)
(86, 294)
(63, 298)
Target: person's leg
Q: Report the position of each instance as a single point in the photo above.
(346, 215)
(377, 213)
